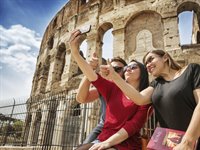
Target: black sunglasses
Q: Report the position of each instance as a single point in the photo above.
(118, 69)
(132, 67)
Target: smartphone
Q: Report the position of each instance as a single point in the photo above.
(85, 29)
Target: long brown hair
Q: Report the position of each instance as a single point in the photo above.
(171, 62)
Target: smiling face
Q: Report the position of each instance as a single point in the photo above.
(132, 72)
(155, 64)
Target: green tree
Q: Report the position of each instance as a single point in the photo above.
(18, 127)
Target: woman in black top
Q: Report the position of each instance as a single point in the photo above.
(174, 93)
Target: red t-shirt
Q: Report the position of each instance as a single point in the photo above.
(121, 113)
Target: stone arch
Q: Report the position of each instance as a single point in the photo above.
(44, 75)
(82, 2)
(192, 6)
(146, 20)
(50, 42)
(59, 62)
(101, 31)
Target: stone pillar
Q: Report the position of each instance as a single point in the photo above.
(171, 35)
(43, 124)
(59, 123)
(31, 131)
(94, 45)
(69, 67)
(50, 76)
(118, 42)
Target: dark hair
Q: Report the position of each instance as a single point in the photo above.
(144, 77)
(119, 59)
(171, 62)
(103, 61)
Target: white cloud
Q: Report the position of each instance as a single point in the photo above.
(18, 48)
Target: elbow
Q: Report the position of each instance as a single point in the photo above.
(80, 99)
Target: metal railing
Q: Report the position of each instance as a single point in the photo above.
(52, 121)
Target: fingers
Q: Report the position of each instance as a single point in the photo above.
(74, 34)
(98, 146)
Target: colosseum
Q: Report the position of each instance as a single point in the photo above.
(56, 120)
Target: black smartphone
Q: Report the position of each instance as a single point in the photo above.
(85, 29)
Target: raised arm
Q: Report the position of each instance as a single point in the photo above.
(193, 132)
(85, 94)
(140, 98)
(74, 43)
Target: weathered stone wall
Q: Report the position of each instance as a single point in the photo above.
(138, 26)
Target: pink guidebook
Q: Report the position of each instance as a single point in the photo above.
(165, 139)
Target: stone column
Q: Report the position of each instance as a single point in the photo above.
(43, 124)
(171, 35)
(59, 123)
(118, 42)
(30, 136)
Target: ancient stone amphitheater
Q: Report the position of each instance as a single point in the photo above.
(55, 119)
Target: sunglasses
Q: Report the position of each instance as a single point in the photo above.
(118, 69)
(132, 67)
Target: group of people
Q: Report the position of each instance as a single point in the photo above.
(126, 95)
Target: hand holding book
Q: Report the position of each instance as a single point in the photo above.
(168, 139)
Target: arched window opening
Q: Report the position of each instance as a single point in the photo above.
(83, 49)
(55, 22)
(189, 23)
(185, 21)
(50, 43)
(107, 49)
(84, 2)
(60, 61)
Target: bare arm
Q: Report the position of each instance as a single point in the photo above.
(85, 94)
(115, 139)
(140, 98)
(193, 131)
(74, 43)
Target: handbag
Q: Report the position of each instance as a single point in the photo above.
(147, 129)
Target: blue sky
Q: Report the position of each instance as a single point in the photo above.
(22, 25)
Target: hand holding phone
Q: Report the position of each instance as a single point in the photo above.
(85, 29)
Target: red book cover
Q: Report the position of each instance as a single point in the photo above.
(165, 139)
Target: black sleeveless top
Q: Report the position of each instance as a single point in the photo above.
(173, 101)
